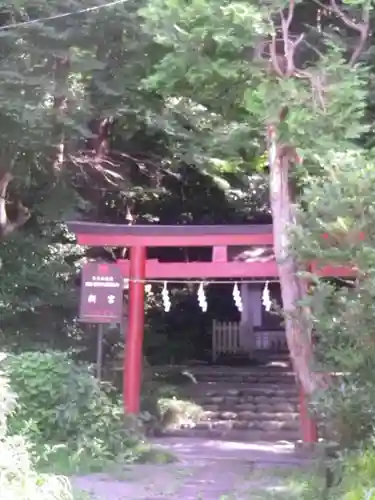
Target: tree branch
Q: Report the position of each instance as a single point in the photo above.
(362, 27)
(274, 57)
(285, 27)
(288, 69)
(291, 68)
(289, 46)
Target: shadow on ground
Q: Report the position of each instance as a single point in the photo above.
(206, 469)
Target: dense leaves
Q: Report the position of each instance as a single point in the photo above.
(59, 79)
(18, 477)
(59, 401)
(103, 120)
(211, 63)
(338, 228)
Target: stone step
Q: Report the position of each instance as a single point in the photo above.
(233, 370)
(234, 389)
(243, 410)
(264, 408)
(272, 366)
(259, 377)
(269, 407)
(218, 371)
(236, 370)
(248, 404)
(246, 396)
(261, 425)
(239, 379)
(211, 416)
(242, 435)
(225, 425)
(248, 391)
(249, 398)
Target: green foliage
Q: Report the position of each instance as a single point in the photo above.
(7, 402)
(103, 48)
(347, 411)
(337, 228)
(103, 438)
(20, 481)
(31, 76)
(341, 201)
(109, 56)
(177, 411)
(18, 478)
(210, 61)
(43, 281)
(357, 473)
(61, 402)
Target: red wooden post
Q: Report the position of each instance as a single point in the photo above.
(308, 425)
(133, 358)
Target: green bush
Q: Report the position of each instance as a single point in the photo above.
(347, 410)
(357, 471)
(18, 479)
(60, 401)
(336, 228)
(7, 402)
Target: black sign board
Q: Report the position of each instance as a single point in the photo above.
(101, 293)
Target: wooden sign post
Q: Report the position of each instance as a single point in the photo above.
(101, 299)
(101, 293)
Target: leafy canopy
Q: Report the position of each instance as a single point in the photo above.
(211, 61)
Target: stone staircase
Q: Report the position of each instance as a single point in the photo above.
(247, 404)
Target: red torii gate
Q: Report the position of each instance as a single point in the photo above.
(137, 269)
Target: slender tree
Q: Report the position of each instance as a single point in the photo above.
(263, 64)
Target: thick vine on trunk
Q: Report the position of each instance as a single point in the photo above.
(281, 158)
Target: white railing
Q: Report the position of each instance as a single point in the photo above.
(226, 339)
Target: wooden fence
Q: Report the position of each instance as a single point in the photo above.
(226, 339)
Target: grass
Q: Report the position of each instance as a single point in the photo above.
(281, 483)
(176, 411)
(82, 495)
(270, 483)
(65, 460)
(54, 461)
(275, 484)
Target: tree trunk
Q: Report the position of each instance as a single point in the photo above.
(293, 289)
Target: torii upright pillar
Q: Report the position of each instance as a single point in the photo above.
(133, 359)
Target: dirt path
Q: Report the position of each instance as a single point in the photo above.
(206, 470)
